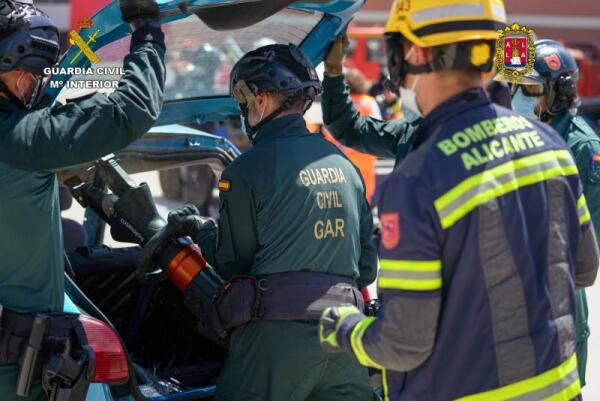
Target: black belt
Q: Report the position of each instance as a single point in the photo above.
(16, 327)
(304, 295)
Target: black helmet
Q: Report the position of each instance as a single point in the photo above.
(274, 68)
(555, 74)
(28, 38)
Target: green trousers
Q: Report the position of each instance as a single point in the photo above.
(8, 386)
(283, 361)
(583, 332)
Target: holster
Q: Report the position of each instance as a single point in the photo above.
(51, 345)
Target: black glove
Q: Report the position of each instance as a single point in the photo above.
(133, 10)
(186, 220)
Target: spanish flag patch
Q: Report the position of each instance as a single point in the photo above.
(596, 158)
(224, 185)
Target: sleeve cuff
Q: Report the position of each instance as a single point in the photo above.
(345, 330)
(148, 34)
(333, 82)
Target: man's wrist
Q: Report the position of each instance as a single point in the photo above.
(334, 71)
(148, 33)
(345, 330)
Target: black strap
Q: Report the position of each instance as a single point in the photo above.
(304, 295)
(16, 327)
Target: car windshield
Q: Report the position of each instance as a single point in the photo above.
(198, 58)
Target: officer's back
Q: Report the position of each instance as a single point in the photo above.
(307, 197)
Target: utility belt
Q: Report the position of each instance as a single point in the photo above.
(51, 346)
(300, 295)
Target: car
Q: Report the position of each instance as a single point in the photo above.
(145, 340)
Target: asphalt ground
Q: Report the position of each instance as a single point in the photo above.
(591, 392)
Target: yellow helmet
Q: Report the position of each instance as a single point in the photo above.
(428, 23)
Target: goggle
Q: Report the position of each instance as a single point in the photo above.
(396, 64)
(242, 93)
(529, 90)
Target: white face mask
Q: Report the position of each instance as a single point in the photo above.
(28, 103)
(409, 96)
(409, 100)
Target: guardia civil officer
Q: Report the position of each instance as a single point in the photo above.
(385, 139)
(294, 217)
(549, 94)
(34, 142)
(486, 231)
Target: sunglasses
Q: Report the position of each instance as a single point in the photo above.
(531, 90)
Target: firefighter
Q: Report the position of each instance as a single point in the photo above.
(549, 94)
(35, 142)
(294, 217)
(486, 231)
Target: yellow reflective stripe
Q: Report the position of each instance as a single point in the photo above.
(500, 180)
(357, 345)
(412, 275)
(410, 285)
(558, 384)
(386, 391)
(582, 210)
(411, 265)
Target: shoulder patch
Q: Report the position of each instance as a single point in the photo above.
(224, 185)
(390, 230)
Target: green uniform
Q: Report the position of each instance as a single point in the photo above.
(585, 145)
(293, 202)
(35, 143)
(385, 139)
(394, 138)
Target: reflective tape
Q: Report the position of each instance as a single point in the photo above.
(582, 210)
(386, 390)
(558, 384)
(357, 345)
(452, 11)
(413, 275)
(501, 180)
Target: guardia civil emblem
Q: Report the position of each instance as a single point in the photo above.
(515, 52)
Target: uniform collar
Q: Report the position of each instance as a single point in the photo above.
(281, 127)
(467, 99)
(562, 123)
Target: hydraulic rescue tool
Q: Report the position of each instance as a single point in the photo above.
(132, 215)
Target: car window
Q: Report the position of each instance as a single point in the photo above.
(198, 58)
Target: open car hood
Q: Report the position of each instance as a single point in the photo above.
(204, 39)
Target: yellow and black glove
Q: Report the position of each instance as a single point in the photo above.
(334, 62)
(336, 324)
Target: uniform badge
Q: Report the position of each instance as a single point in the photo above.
(390, 230)
(515, 52)
(224, 185)
(553, 62)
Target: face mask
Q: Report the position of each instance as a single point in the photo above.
(524, 105)
(409, 102)
(35, 94)
(247, 129)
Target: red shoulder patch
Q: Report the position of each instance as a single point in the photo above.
(224, 185)
(390, 232)
(553, 62)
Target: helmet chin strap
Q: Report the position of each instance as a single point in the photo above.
(251, 131)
